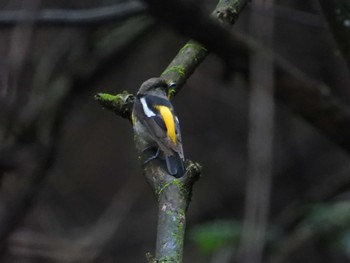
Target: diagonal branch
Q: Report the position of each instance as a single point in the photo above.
(209, 32)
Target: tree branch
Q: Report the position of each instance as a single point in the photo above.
(83, 17)
(210, 33)
(193, 53)
(173, 194)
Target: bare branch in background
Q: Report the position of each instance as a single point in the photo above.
(33, 143)
(91, 242)
(292, 15)
(83, 17)
(260, 139)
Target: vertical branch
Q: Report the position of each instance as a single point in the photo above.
(171, 208)
(173, 196)
(173, 199)
(260, 140)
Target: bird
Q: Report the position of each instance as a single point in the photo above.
(154, 120)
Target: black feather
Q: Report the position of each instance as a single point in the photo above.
(175, 165)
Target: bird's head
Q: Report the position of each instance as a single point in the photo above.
(155, 86)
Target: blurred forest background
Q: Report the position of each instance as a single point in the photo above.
(71, 186)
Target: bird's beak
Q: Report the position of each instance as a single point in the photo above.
(171, 89)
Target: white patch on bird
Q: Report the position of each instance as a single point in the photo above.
(146, 110)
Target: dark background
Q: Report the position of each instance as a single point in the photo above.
(94, 205)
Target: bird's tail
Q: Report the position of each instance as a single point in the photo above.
(176, 166)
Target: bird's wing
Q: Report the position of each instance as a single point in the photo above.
(164, 128)
(159, 118)
(178, 138)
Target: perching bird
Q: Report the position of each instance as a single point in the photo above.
(154, 120)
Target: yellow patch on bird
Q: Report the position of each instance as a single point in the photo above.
(168, 120)
(133, 119)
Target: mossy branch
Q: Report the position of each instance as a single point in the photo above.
(173, 194)
(173, 197)
(121, 104)
(193, 53)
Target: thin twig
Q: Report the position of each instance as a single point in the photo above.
(83, 17)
